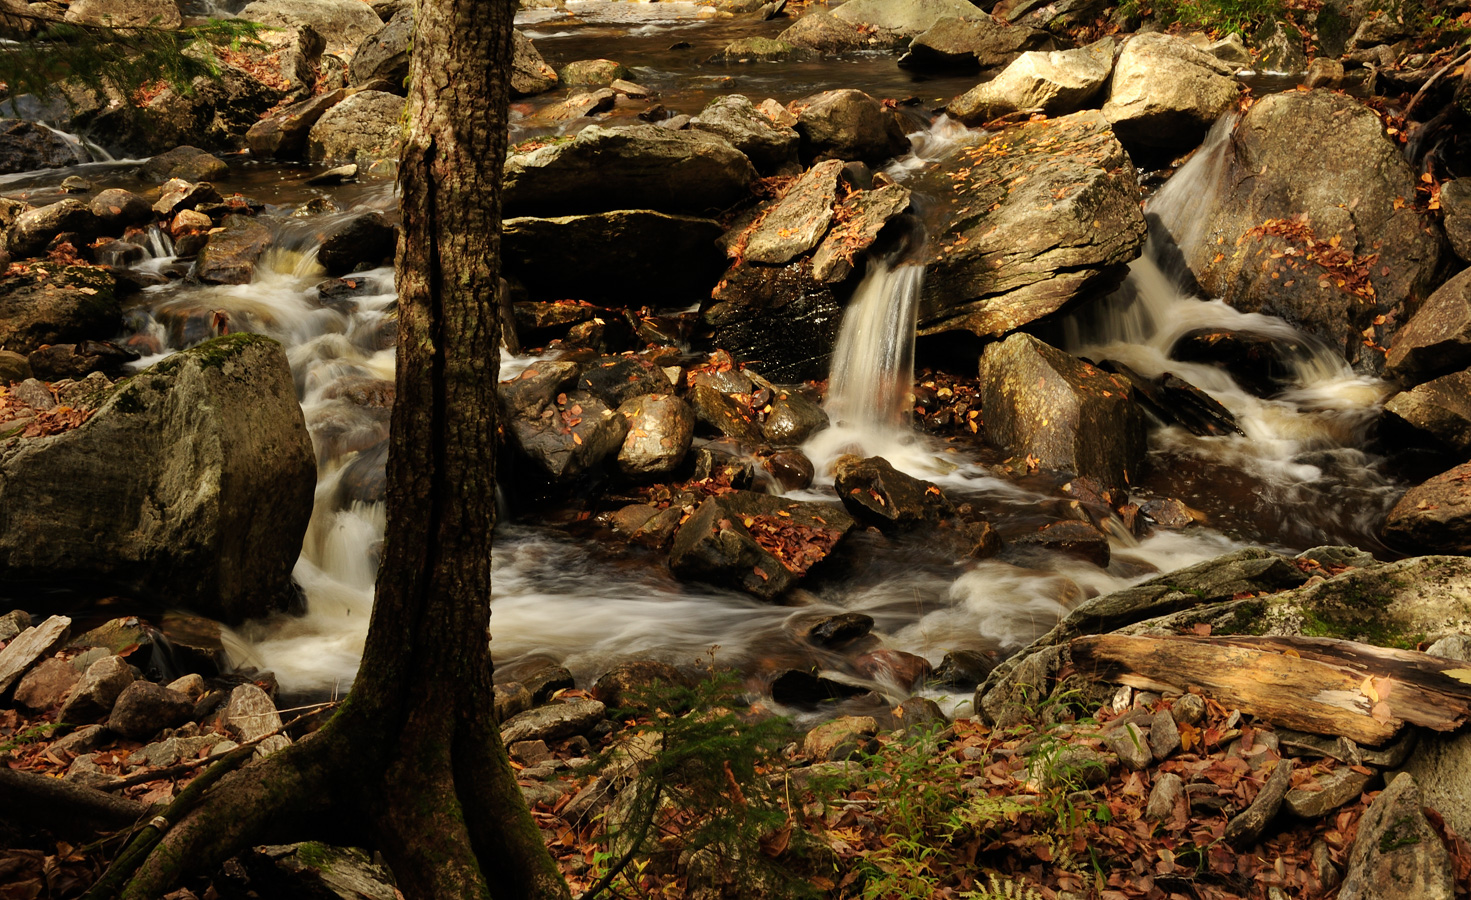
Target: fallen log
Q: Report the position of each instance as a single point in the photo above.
(1317, 685)
(63, 806)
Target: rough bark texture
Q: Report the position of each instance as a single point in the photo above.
(415, 755)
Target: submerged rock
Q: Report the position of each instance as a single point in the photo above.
(192, 482)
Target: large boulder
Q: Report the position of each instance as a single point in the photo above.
(530, 74)
(1434, 517)
(771, 146)
(192, 484)
(284, 135)
(1050, 215)
(861, 217)
(26, 145)
(362, 129)
(779, 319)
(660, 427)
(1439, 410)
(636, 257)
(822, 32)
(565, 433)
(344, 24)
(385, 55)
(905, 17)
(632, 167)
(125, 13)
(1166, 93)
(51, 304)
(1331, 253)
(34, 229)
(1437, 339)
(1060, 412)
(1397, 852)
(850, 125)
(186, 162)
(230, 254)
(968, 44)
(1058, 82)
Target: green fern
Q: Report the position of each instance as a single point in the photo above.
(1003, 888)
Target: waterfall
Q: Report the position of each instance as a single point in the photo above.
(873, 365)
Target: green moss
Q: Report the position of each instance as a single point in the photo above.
(1400, 833)
(1247, 617)
(211, 354)
(316, 856)
(1358, 610)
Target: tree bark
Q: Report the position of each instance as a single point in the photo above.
(415, 753)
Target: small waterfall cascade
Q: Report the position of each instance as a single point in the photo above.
(873, 364)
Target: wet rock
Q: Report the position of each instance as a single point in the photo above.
(1455, 205)
(344, 24)
(177, 195)
(1354, 211)
(629, 685)
(1165, 93)
(94, 695)
(384, 57)
(964, 668)
(193, 481)
(860, 219)
(25, 146)
(601, 72)
(1056, 83)
(1341, 785)
(660, 428)
(840, 629)
(1397, 853)
(568, 434)
(1259, 363)
(537, 385)
(1434, 517)
(25, 649)
(1072, 538)
(802, 687)
(35, 229)
(1437, 339)
(793, 419)
(905, 17)
(1164, 797)
(1051, 216)
(822, 32)
(755, 542)
(1437, 412)
(59, 361)
(1174, 401)
(973, 43)
(1248, 826)
(618, 379)
(231, 254)
(848, 125)
(760, 49)
(313, 870)
(771, 145)
(360, 242)
(511, 699)
(117, 254)
(797, 221)
(840, 738)
(554, 722)
(143, 709)
(1042, 403)
(629, 167)
(724, 413)
(284, 135)
(530, 74)
(184, 162)
(877, 494)
(250, 713)
(580, 105)
(790, 468)
(904, 669)
(363, 128)
(1170, 513)
(779, 319)
(634, 257)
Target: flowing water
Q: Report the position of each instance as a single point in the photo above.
(1297, 476)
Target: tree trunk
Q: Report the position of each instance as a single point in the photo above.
(415, 754)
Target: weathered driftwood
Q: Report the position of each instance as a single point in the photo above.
(1317, 685)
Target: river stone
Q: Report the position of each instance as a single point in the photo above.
(1455, 205)
(770, 145)
(536, 386)
(344, 24)
(25, 146)
(362, 129)
(1437, 339)
(629, 167)
(144, 709)
(1051, 215)
(230, 255)
(839, 738)
(633, 257)
(34, 229)
(760, 49)
(849, 125)
(193, 482)
(973, 43)
(21, 653)
(837, 630)
(553, 722)
(13, 623)
(797, 220)
(51, 304)
(250, 713)
(361, 242)
(860, 218)
(905, 17)
(284, 135)
(384, 57)
(568, 434)
(878, 494)
(1165, 93)
(530, 74)
(1398, 853)
(1056, 83)
(1439, 410)
(793, 419)
(46, 685)
(162, 14)
(1435, 516)
(116, 208)
(1340, 786)
(177, 196)
(618, 379)
(660, 428)
(821, 31)
(1041, 403)
(1359, 197)
(94, 695)
(1079, 539)
(717, 545)
(599, 72)
(1130, 744)
(726, 414)
(213, 113)
(186, 162)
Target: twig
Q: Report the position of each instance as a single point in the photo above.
(1430, 82)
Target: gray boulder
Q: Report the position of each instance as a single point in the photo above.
(97, 691)
(36, 228)
(822, 32)
(125, 13)
(230, 255)
(25, 146)
(285, 135)
(1281, 244)
(1056, 83)
(343, 24)
(47, 685)
(1165, 93)
(973, 43)
(1437, 339)
(1439, 410)
(364, 128)
(849, 125)
(144, 709)
(186, 162)
(1397, 852)
(797, 221)
(193, 482)
(1441, 763)
(52, 304)
(530, 74)
(905, 17)
(660, 428)
(770, 145)
(631, 167)
(250, 713)
(385, 55)
(1279, 49)
(1051, 217)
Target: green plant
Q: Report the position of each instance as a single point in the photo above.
(1226, 16)
(29, 736)
(1003, 888)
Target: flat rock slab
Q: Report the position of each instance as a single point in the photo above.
(860, 219)
(554, 722)
(1340, 786)
(28, 647)
(796, 222)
